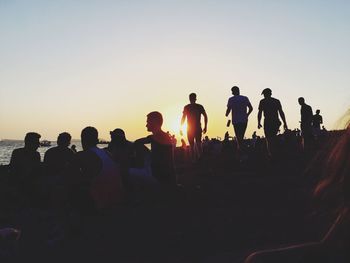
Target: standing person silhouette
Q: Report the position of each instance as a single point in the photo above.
(193, 113)
(306, 122)
(271, 107)
(241, 108)
(317, 120)
(162, 153)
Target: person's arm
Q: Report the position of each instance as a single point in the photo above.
(321, 120)
(145, 140)
(205, 121)
(183, 116)
(250, 107)
(259, 116)
(283, 117)
(228, 110)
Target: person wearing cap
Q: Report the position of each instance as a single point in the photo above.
(241, 108)
(272, 109)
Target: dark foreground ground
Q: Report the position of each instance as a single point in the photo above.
(220, 212)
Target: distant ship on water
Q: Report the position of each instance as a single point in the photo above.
(45, 143)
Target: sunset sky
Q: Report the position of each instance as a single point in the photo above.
(65, 65)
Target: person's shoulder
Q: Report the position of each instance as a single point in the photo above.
(51, 150)
(86, 156)
(200, 106)
(262, 101)
(68, 151)
(162, 138)
(18, 151)
(274, 100)
(231, 98)
(244, 98)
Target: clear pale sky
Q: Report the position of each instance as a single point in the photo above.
(65, 65)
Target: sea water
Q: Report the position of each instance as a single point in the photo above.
(7, 146)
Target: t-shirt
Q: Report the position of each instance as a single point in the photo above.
(106, 188)
(193, 113)
(316, 121)
(238, 105)
(270, 107)
(306, 114)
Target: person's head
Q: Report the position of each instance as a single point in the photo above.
(63, 139)
(154, 121)
(89, 137)
(301, 101)
(267, 93)
(235, 90)
(31, 141)
(193, 97)
(318, 112)
(117, 135)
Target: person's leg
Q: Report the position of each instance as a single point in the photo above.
(198, 143)
(307, 136)
(190, 138)
(271, 130)
(240, 129)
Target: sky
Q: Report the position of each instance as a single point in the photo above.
(65, 65)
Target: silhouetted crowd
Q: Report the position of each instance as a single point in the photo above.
(96, 180)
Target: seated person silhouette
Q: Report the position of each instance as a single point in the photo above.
(140, 171)
(121, 151)
(56, 159)
(99, 179)
(162, 154)
(25, 164)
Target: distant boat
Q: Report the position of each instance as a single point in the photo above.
(45, 143)
(101, 141)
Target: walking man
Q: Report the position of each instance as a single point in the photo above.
(193, 113)
(306, 122)
(241, 108)
(271, 108)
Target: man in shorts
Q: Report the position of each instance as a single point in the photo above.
(271, 108)
(241, 108)
(193, 113)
